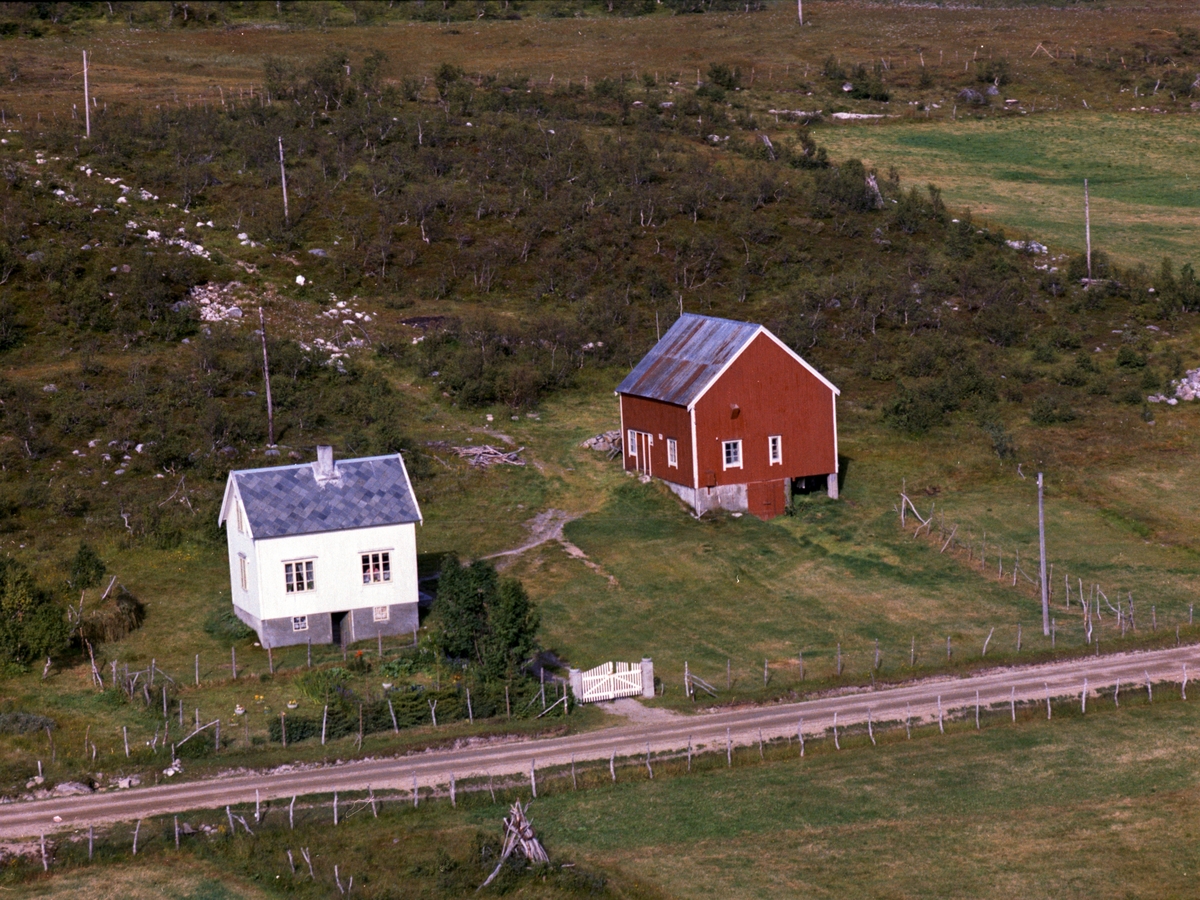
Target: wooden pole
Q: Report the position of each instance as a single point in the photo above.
(1042, 548)
(262, 326)
(283, 178)
(800, 10)
(1087, 228)
(197, 670)
(87, 108)
(233, 662)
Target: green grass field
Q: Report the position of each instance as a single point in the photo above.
(1026, 174)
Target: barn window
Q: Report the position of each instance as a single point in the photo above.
(298, 576)
(632, 443)
(733, 454)
(775, 449)
(381, 613)
(672, 453)
(376, 568)
(299, 623)
(242, 567)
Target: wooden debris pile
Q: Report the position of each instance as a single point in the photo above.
(609, 442)
(519, 838)
(484, 455)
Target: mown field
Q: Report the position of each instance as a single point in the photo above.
(1027, 175)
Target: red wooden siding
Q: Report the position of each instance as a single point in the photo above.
(662, 420)
(774, 394)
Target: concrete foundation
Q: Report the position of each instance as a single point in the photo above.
(359, 625)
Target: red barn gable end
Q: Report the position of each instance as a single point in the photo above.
(728, 417)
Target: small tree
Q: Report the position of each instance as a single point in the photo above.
(483, 618)
(32, 625)
(86, 569)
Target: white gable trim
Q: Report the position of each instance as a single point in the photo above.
(411, 490)
(792, 353)
(232, 496)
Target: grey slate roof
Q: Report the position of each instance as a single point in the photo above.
(692, 351)
(289, 499)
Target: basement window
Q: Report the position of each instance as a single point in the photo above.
(672, 453)
(299, 623)
(732, 454)
(298, 576)
(381, 613)
(775, 449)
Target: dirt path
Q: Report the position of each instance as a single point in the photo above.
(920, 700)
(546, 527)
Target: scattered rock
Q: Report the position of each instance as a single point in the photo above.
(50, 388)
(609, 442)
(972, 96)
(317, 251)
(71, 788)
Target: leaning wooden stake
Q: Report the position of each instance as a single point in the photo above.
(283, 179)
(87, 107)
(46, 860)
(1087, 228)
(941, 722)
(1042, 547)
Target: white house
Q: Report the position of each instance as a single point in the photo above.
(323, 552)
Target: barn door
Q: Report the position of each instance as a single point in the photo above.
(643, 442)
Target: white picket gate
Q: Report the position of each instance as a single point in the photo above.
(611, 680)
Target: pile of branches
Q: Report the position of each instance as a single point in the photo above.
(483, 456)
(519, 837)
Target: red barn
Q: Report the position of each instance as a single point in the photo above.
(729, 417)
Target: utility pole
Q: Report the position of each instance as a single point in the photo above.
(1087, 228)
(1042, 545)
(283, 177)
(262, 325)
(87, 109)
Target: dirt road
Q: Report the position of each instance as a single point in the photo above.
(918, 699)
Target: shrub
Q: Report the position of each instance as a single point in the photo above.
(86, 569)
(23, 723)
(1002, 441)
(1050, 410)
(224, 625)
(1128, 358)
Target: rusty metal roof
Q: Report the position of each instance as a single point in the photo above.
(689, 356)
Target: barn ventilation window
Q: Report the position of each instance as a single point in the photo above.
(775, 449)
(672, 453)
(299, 623)
(376, 568)
(298, 576)
(733, 454)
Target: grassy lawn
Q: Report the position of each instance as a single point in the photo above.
(1026, 174)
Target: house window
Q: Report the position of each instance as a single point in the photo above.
(381, 614)
(242, 568)
(299, 623)
(672, 453)
(632, 443)
(376, 568)
(241, 524)
(298, 576)
(733, 454)
(775, 449)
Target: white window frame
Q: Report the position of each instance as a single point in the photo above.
(736, 447)
(381, 613)
(243, 571)
(306, 567)
(672, 453)
(376, 566)
(241, 525)
(775, 450)
(631, 440)
(299, 623)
